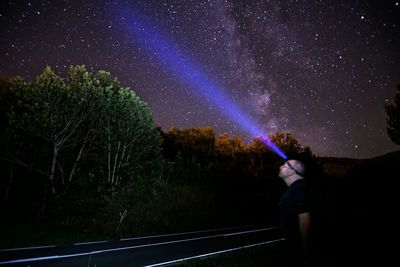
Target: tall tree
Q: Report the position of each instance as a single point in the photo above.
(287, 142)
(130, 141)
(86, 131)
(51, 119)
(195, 143)
(393, 118)
(229, 146)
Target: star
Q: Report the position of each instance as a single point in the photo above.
(316, 70)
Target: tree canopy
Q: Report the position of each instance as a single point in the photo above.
(83, 150)
(86, 132)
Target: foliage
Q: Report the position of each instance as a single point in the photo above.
(227, 146)
(81, 142)
(195, 143)
(84, 151)
(286, 142)
(242, 177)
(393, 118)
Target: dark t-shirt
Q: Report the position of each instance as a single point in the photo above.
(293, 202)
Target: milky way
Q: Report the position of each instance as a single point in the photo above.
(322, 70)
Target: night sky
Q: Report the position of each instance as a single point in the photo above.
(322, 70)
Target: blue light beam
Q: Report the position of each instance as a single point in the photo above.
(144, 33)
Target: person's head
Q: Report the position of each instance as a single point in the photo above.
(291, 171)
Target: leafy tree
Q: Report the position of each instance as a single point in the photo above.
(256, 150)
(86, 132)
(197, 143)
(126, 152)
(53, 112)
(393, 118)
(129, 138)
(188, 153)
(7, 137)
(229, 146)
(287, 142)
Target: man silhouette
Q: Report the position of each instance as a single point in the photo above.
(295, 213)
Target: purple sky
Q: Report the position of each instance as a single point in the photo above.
(322, 70)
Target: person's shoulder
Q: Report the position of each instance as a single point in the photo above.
(299, 183)
(298, 186)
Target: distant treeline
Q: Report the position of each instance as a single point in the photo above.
(84, 151)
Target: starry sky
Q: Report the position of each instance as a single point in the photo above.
(322, 70)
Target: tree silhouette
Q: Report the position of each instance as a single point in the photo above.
(393, 118)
